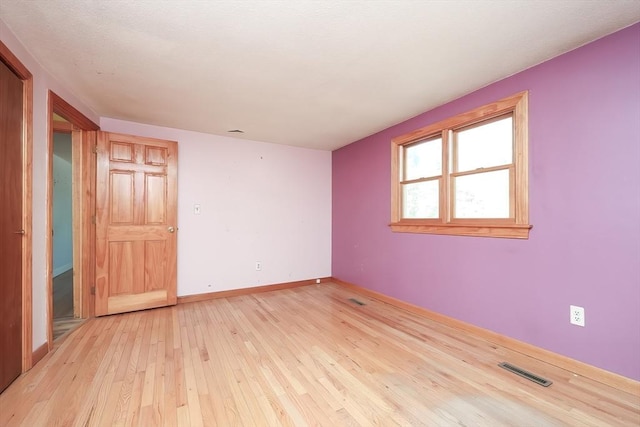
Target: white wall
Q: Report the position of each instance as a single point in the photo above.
(42, 83)
(62, 206)
(259, 202)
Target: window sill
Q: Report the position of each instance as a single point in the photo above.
(509, 231)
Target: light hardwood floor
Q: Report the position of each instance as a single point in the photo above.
(304, 356)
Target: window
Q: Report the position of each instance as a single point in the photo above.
(466, 175)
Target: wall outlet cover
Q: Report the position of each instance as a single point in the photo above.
(576, 315)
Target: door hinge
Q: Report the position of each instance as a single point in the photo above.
(94, 149)
(93, 290)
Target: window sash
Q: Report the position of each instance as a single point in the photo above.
(404, 185)
(511, 194)
(455, 148)
(442, 178)
(405, 160)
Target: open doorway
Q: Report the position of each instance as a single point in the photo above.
(65, 316)
(70, 213)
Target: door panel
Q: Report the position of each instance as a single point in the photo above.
(136, 217)
(11, 118)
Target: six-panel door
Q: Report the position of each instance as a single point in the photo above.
(136, 223)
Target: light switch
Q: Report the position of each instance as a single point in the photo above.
(196, 209)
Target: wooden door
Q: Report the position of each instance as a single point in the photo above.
(11, 228)
(136, 223)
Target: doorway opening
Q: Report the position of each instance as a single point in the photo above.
(65, 314)
(70, 208)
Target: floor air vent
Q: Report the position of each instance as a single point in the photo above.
(525, 374)
(355, 301)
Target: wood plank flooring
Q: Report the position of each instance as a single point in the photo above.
(297, 357)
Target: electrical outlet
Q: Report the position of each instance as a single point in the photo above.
(258, 266)
(577, 315)
(317, 281)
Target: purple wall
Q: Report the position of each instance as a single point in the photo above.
(584, 248)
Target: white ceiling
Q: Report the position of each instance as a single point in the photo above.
(317, 74)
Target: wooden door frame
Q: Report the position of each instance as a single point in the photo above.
(25, 75)
(83, 210)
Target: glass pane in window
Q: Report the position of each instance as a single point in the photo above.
(421, 199)
(486, 145)
(482, 195)
(423, 159)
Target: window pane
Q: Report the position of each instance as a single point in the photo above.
(421, 199)
(486, 145)
(482, 195)
(423, 159)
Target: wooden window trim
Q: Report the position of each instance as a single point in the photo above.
(516, 227)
